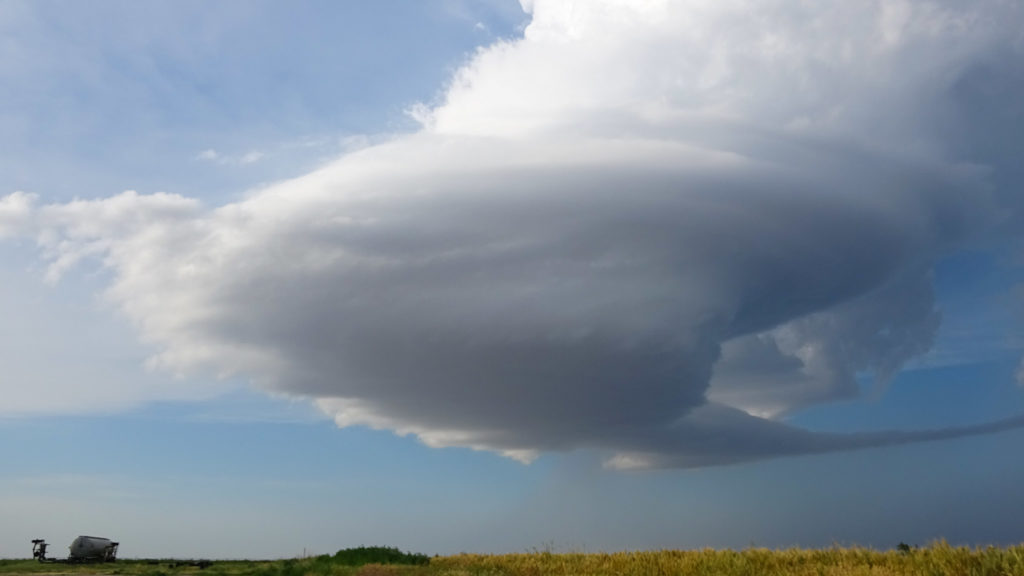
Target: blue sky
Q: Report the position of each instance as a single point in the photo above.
(478, 276)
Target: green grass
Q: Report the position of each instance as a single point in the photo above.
(935, 560)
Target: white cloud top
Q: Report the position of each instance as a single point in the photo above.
(650, 228)
(15, 213)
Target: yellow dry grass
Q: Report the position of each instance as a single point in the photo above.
(935, 560)
(939, 559)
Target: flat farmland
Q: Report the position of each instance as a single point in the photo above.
(934, 560)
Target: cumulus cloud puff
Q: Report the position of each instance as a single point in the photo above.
(15, 213)
(648, 228)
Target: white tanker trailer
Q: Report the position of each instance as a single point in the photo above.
(92, 549)
(83, 549)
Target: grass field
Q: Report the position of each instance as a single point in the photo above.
(938, 559)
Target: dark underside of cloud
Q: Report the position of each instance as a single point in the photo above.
(659, 261)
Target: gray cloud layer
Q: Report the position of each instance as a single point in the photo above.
(646, 228)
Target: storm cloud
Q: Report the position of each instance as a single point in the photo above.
(647, 228)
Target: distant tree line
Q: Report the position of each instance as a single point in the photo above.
(378, 555)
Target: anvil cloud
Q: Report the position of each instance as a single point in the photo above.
(647, 228)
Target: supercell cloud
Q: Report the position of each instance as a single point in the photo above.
(647, 228)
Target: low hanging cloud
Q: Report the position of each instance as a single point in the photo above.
(647, 228)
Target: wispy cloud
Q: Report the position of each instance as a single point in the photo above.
(208, 154)
(211, 155)
(250, 157)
